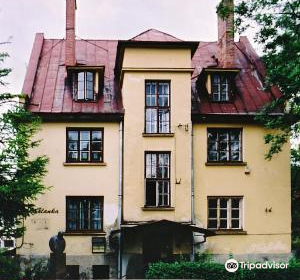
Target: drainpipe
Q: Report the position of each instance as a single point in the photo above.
(120, 199)
(192, 189)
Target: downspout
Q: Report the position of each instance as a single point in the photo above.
(192, 190)
(120, 199)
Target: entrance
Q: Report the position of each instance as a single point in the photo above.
(157, 246)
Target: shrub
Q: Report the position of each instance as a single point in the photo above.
(211, 270)
(9, 268)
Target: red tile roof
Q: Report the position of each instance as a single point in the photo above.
(47, 87)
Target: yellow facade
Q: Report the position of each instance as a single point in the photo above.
(136, 142)
(266, 186)
(72, 180)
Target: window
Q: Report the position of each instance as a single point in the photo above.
(225, 213)
(9, 243)
(220, 87)
(85, 145)
(98, 245)
(224, 145)
(84, 86)
(157, 107)
(157, 179)
(100, 271)
(84, 213)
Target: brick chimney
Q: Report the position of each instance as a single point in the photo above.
(70, 57)
(226, 48)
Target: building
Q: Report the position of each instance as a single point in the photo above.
(154, 152)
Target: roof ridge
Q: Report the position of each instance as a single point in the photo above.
(155, 30)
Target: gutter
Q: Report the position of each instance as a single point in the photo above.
(192, 190)
(120, 198)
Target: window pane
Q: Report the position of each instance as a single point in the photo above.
(212, 224)
(73, 145)
(97, 135)
(235, 156)
(223, 224)
(223, 202)
(150, 193)
(151, 120)
(72, 156)
(73, 135)
(235, 202)
(84, 135)
(235, 213)
(164, 120)
(212, 203)
(235, 224)
(212, 213)
(84, 145)
(96, 146)
(84, 156)
(96, 156)
(223, 213)
(163, 168)
(224, 156)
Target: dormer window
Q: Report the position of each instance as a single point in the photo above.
(220, 87)
(218, 84)
(84, 86)
(86, 82)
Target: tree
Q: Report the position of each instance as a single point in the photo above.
(21, 176)
(277, 25)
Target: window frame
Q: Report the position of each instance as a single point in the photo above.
(229, 86)
(75, 85)
(79, 129)
(229, 214)
(157, 107)
(78, 199)
(225, 130)
(93, 244)
(157, 153)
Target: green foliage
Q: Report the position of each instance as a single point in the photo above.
(40, 270)
(216, 271)
(278, 32)
(21, 176)
(9, 268)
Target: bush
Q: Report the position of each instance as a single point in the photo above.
(9, 268)
(216, 271)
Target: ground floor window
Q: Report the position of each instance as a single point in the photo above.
(157, 178)
(84, 213)
(225, 213)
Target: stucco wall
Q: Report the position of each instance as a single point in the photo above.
(267, 186)
(75, 181)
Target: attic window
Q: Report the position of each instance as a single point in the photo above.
(220, 87)
(86, 83)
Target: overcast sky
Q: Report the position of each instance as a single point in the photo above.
(98, 19)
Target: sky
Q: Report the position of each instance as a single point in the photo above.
(98, 19)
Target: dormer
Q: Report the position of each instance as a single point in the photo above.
(86, 82)
(218, 84)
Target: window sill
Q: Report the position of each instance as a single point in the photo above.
(89, 233)
(230, 232)
(158, 134)
(84, 163)
(150, 208)
(226, 163)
